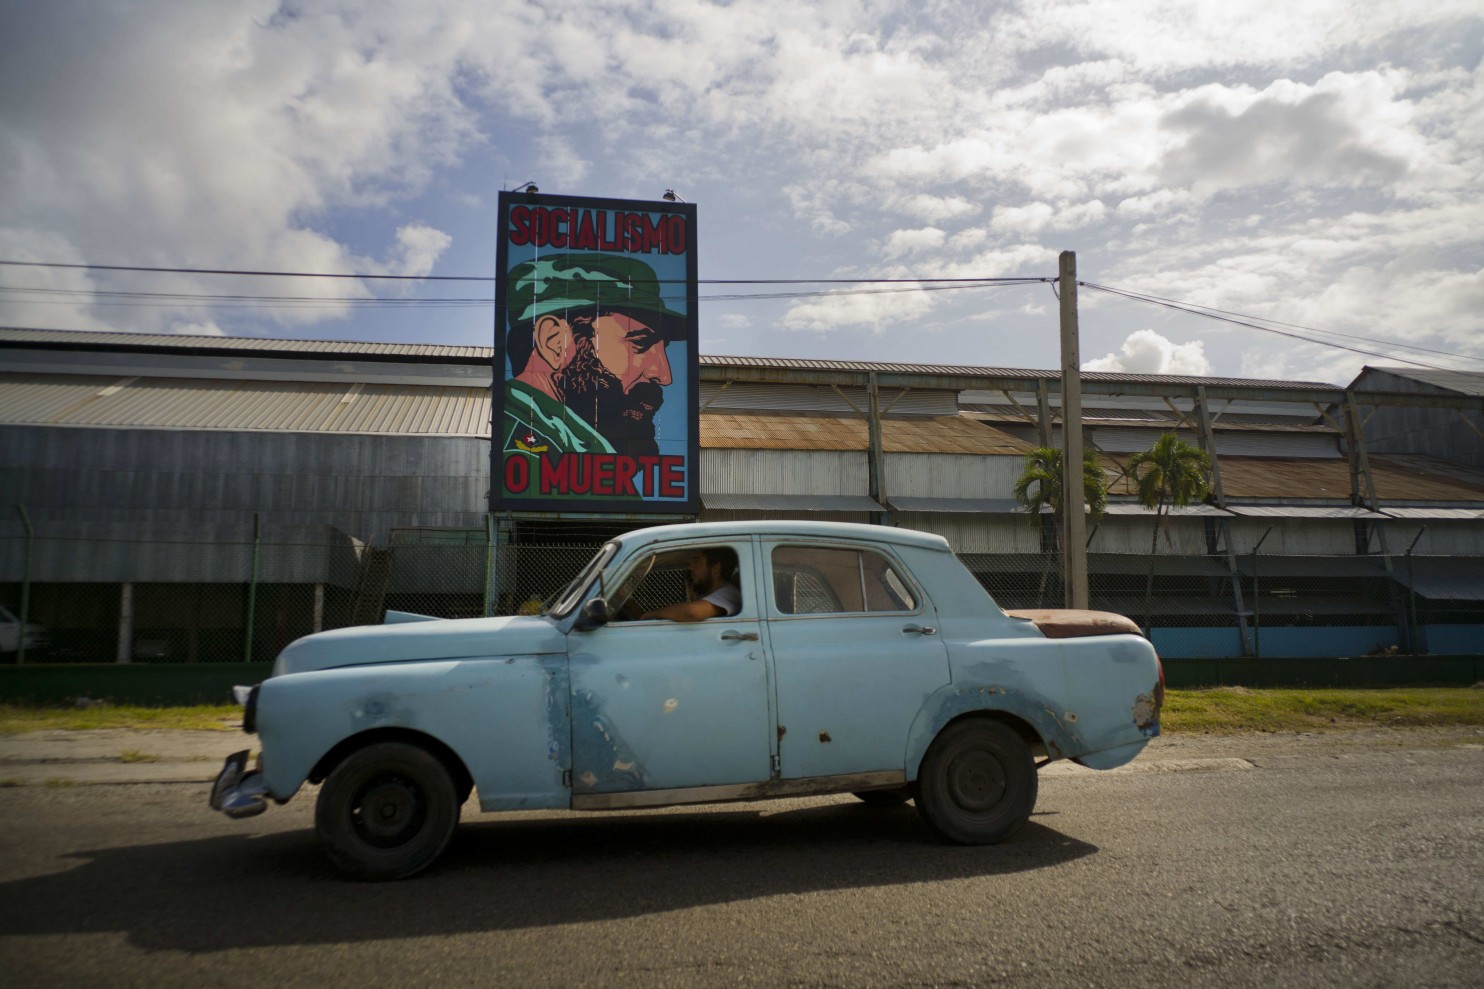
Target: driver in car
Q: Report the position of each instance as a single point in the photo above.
(713, 594)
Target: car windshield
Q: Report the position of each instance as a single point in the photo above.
(568, 598)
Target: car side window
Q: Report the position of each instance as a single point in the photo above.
(818, 580)
(662, 579)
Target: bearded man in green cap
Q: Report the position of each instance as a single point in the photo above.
(586, 345)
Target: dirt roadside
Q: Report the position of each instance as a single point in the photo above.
(125, 756)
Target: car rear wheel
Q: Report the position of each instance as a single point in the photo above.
(386, 812)
(978, 782)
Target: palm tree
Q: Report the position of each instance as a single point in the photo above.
(1171, 472)
(1040, 486)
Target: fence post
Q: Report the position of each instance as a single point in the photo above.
(1412, 597)
(489, 564)
(20, 643)
(124, 653)
(1257, 599)
(252, 587)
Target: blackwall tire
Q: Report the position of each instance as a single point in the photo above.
(977, 785)
(386, 812)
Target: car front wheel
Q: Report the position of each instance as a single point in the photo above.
(386, 812)
(978, 782)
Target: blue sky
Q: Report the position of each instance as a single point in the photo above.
(1318, 163)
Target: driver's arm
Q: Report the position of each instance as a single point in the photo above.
(687, 611)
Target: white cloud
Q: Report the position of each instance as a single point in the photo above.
(1148, 352)
(1038, 216)
(734, 321)
(935, 209)
(913, 241)
(1318, 162)
(417, 249)
(875, 312)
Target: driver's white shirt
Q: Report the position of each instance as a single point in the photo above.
(727, 597)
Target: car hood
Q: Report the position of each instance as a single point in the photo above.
(411, 641)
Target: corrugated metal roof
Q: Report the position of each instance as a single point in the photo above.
(807, 364)
(1463, 382)
(1303, 512)
(790, 503)
(109, 340)
(928, 434)
(1397, 479)
(193, 403)
(1443, 579)
(1162, 418)
(1439, 514)
(1186, 511)
(978, 506)
(747, 396)
(101, 340)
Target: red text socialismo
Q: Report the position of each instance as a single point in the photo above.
(598, 230)
(605, 475)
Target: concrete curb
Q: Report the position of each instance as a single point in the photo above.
(116, 755)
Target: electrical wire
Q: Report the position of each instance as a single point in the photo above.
(1257, 323)
(104, 297)
(161, 299)
(1022, 280)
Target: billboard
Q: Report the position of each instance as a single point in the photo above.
(596, 383)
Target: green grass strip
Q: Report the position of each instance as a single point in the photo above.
(1220, 710)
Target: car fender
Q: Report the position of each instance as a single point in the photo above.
(505, 718)
(955, 700)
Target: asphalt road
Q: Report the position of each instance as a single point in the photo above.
(1356, 861)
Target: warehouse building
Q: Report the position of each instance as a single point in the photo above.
(201, 499)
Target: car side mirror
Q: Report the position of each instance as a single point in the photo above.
(594, 614)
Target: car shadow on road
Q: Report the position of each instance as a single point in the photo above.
(272, 890)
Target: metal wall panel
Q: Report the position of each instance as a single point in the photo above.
(1179, 535)
(977, 533)
(1431, 432)
(742, 396)
(1319, 446)
(85, 475)
(784, 472)
(951, 475)
(1294, 537)
(1441, 538)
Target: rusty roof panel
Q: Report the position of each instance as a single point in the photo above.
(1396, 479)
(929, 434)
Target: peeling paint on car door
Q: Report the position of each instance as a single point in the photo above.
(852, 672)
(665, 705)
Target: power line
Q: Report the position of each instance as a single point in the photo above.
(490, 278)
(1217, 313)
(104, 297)
(1248, 321)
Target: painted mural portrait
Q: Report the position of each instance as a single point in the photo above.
(587, 344)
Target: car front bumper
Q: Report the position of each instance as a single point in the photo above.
(238, 792)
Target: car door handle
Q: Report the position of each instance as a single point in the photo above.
(731, 635)
(919, 630)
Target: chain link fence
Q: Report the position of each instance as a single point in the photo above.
(239, 595)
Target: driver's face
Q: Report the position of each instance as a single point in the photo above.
(701, 576)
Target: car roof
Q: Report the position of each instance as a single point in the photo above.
(791, 529)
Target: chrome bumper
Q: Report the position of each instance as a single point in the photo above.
(237, 792)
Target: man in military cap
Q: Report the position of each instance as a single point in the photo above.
(586, 345)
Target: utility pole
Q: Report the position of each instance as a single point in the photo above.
(1074, 511)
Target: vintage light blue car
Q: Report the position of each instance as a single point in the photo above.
(863, 659)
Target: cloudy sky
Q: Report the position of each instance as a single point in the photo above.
(1318, 163)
